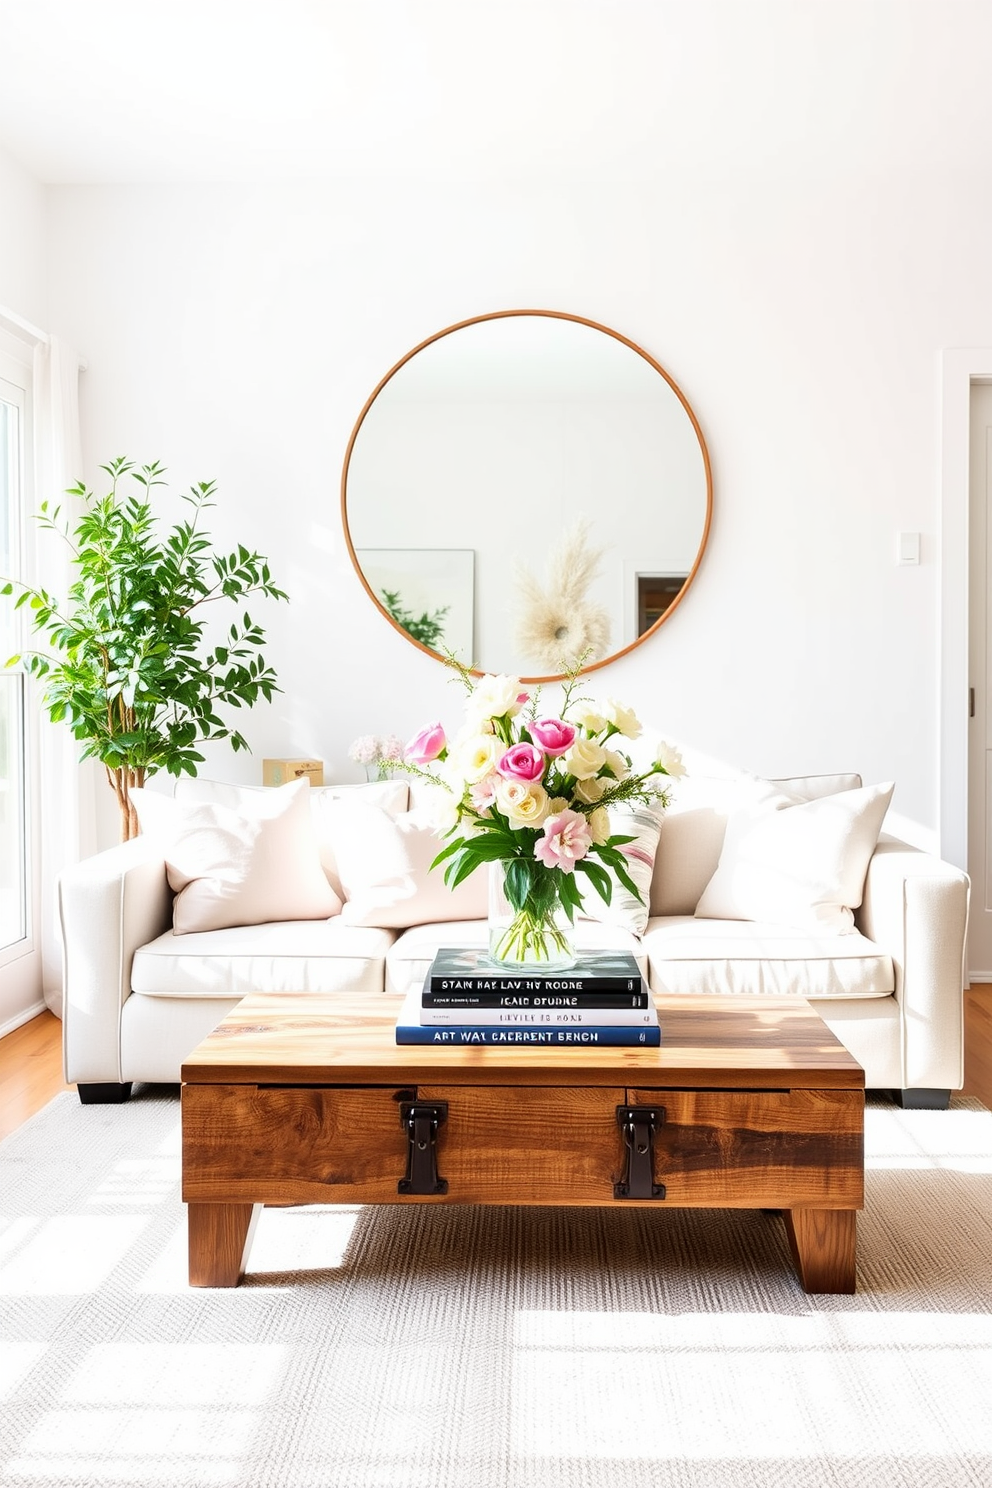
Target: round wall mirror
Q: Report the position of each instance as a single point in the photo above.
(527, 492)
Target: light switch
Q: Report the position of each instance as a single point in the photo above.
(909, 547)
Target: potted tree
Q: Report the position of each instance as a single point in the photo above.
(130, 669)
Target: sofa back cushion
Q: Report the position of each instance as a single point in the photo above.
(695, 823)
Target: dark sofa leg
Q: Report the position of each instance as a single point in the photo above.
(922, 1100)
(104, 1095)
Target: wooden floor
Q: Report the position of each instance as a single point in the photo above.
(31, 1060)
(30, 1070)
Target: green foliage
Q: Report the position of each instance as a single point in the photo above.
(131, 674)
(528, 883)
(427, 628)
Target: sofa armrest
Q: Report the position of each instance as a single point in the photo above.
(109, 905)
(915, 907)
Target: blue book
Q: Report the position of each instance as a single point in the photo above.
(410, 1030)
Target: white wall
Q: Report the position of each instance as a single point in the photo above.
(23, 243)
(236, 332)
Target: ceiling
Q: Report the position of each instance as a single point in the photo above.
(107, 91)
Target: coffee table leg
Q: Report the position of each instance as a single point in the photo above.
(823, 1244)
(220, 1237)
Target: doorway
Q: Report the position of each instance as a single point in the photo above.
(979, 958)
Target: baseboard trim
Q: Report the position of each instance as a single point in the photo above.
(21, 1018)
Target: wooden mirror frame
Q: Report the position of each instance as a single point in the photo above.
(606, 331)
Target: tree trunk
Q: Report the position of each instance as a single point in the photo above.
(123, 781)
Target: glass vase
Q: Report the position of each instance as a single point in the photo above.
(529, 929)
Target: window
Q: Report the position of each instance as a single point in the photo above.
(17, 907)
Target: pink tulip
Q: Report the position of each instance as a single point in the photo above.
(554, 735)
(566, 839)
(426, 746)
(521, 762)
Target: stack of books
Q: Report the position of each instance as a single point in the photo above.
(466, 999)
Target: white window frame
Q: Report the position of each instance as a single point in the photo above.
(21, 982)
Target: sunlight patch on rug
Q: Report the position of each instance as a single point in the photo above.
(135, 1446)
(775, 1386)
(66, 1255)
(960, 1142)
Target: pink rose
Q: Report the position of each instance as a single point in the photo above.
(426, 746)
(566, 839)
(554, 735)
(521, 762)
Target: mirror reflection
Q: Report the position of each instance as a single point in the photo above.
(525, 491)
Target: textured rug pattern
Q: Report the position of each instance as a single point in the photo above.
(448, 1347)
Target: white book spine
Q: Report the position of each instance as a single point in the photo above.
(433, 1017)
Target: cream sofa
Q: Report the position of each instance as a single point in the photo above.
(138, 996)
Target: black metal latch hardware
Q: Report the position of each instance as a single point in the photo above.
(421, 1122)
(639, 1124)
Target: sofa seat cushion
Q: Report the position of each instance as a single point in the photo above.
(409, 958)
(689, 955)
(287, 956)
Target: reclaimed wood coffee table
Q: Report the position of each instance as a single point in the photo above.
(749, 1103)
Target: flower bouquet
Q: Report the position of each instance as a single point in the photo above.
(530, 795)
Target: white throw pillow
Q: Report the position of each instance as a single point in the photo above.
(385, 866)
(693, 830)
(643, 824)
(246, 866)
(392, 795)
(801, 865)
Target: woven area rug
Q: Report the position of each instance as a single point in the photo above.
(452, 1347)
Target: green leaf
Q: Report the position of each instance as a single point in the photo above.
(599, 877)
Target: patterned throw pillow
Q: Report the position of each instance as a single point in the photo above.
(643, 824)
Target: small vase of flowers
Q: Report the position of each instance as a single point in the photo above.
(380, 756)
(530, 795)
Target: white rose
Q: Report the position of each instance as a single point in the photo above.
(441, 809)
(618, 763)
(495, 697)
(471, 730)
(450, 777)
(585, 758)
(476, 756)
(670, 760)
(590, 791)
(624, 720)
(523, 804)
(599, 825)
(586, 716)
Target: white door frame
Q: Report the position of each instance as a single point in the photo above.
(958, 370)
